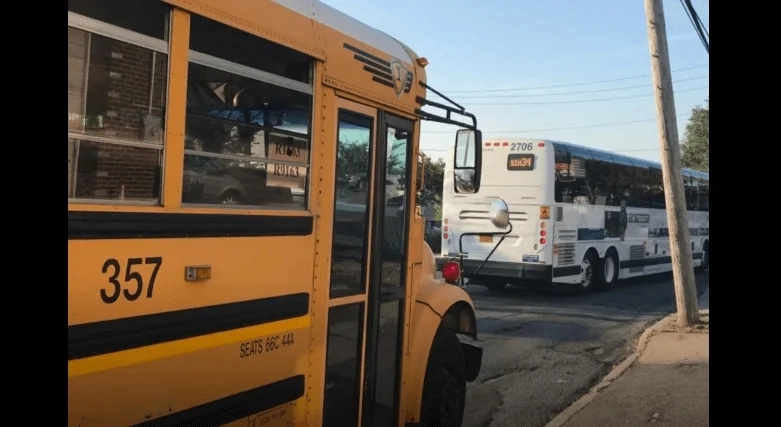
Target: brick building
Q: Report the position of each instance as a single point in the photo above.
(124, 99)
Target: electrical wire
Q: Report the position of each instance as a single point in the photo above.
(696, 22)
(593, 82)
(559, 129)
(615, 89)
(579, 101)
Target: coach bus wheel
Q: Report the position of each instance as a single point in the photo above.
(444, 387)
(607, 276)
(587, 273)
(705, 264)
(495, 285)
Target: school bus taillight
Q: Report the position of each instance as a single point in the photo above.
(451, 271)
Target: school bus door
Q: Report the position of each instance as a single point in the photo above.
(367, 288)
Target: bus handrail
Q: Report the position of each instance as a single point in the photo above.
(461, 248)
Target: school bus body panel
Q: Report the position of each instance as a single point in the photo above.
(436, 305)
(326, 34)
(232, 277)
(277, 279)
(222, 366)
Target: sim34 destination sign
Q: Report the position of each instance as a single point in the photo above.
(520, 162)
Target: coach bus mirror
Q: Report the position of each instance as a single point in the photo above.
(499, 214)
(467, 160)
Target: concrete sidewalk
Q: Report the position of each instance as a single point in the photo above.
(665, 383)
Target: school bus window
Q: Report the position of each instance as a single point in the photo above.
(351, 216)
(116, 99)
(218, 40)
(147, 17)
(247, 131)
(394, 227)
(343, 365)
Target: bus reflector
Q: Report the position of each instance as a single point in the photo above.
(504, 144)
(451, 271)
(544, 212)
(200, 272)
(542, 241)
(540, 144)
(543, 233)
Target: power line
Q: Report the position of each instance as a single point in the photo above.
(696, 22)
(579, 101)
(558, 129)
(634, 150)
(615, 89)
(593, 82)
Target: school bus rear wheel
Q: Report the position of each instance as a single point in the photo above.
(444, 386)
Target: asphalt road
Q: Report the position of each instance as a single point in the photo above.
(542, 351)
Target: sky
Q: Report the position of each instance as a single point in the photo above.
(478, 54)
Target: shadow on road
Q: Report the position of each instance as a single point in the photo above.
(543, 349)
(530, 313)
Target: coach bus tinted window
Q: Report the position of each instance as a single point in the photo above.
(252, 127)
(116, 105)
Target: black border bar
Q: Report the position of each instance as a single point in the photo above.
(235, 407)
(134, 225)
(93, 339)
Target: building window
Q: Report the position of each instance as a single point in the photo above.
(247, 140)
(117, 82)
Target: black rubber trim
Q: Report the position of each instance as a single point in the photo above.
(566, 271)
(235, 407)
(133, 225)
(651, 261)
(93, 339)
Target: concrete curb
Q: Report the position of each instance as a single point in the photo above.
(579, 404)
(642, 343)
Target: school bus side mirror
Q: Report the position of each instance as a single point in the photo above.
(467, 160)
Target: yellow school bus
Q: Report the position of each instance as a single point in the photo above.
(240, 251)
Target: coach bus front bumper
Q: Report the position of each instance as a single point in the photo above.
(499, 269)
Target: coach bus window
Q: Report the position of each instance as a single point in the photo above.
(247, 130)
(562, 176)
(657, 189)
(703, 195)
(595, 184)
(116, 100)
(642, 188)
(580, 191)
(690, 191)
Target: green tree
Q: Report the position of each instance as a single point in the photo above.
(431, 194)
(696, 139)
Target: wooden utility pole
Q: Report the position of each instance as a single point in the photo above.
(675, 199)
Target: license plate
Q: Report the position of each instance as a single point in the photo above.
(486, 239)
(530, 258)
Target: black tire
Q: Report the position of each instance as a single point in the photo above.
(231, 197)
(444, 386)
(607, 272)
(360, 185)
(495, 285)
(588, 267)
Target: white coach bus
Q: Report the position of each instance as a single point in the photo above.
(580, 217)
